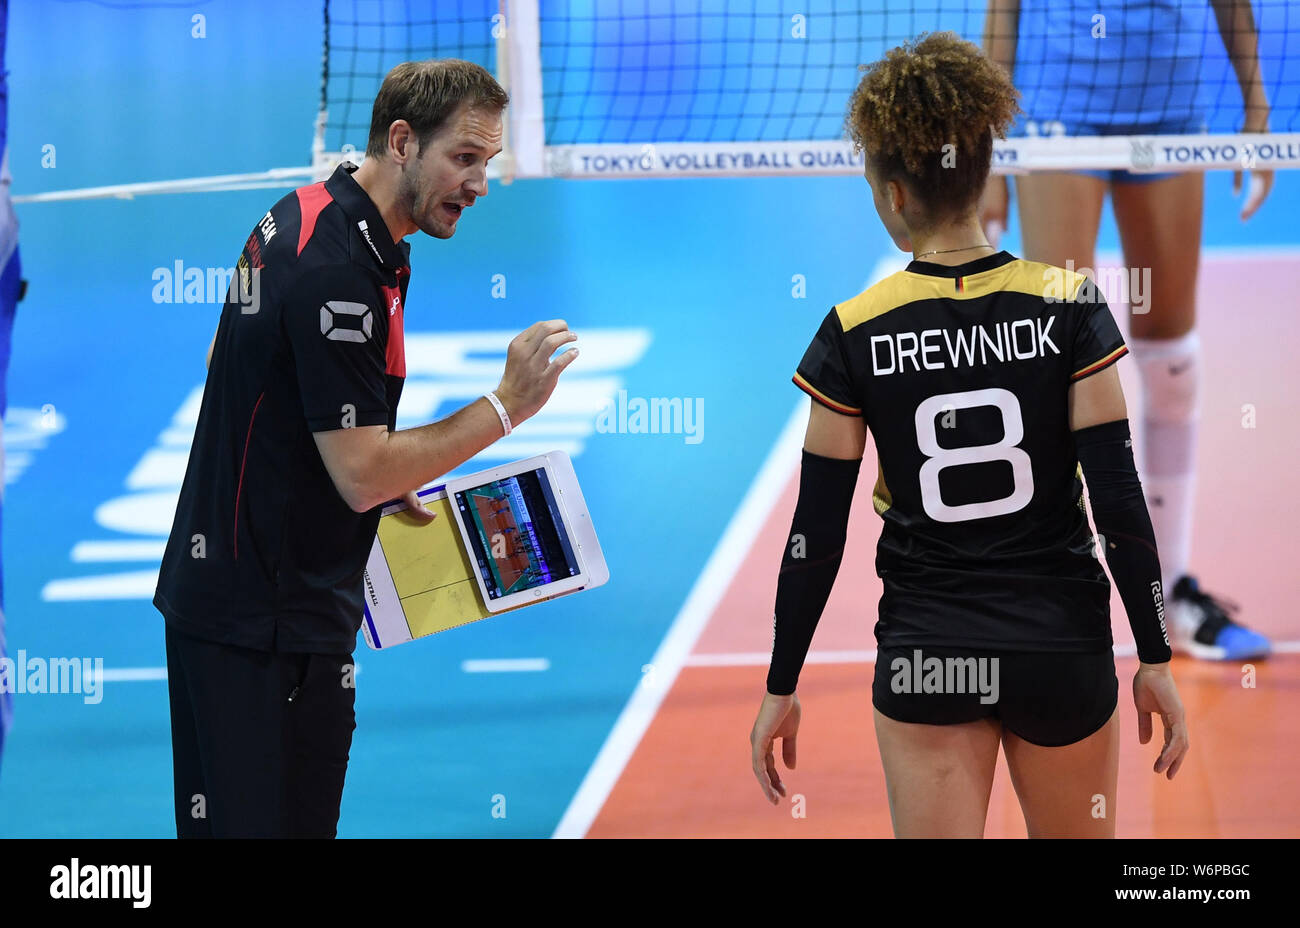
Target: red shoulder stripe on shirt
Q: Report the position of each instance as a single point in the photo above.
(396, 351)
(1100, 363)
(311, 200)
(822, 398)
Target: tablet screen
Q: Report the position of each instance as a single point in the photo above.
(516, 533)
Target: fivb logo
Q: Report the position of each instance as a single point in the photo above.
(105, 881)
(1143, 154)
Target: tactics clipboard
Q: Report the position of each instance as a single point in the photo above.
(423, 578)
(418, 578)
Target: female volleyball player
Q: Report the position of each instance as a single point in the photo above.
(987, 382)
(1140, 78)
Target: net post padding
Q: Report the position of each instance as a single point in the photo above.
(525, 113)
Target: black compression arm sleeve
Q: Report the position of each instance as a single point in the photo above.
(1119, 512)
(810, 563)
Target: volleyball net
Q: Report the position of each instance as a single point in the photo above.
(665, 88)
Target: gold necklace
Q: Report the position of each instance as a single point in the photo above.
(949, 251)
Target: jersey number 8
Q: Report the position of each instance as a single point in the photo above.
(1013, 429)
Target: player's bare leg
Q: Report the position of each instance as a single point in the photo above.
(1160, 230)
(1059, 214)
(1067, 792)
(938, 776)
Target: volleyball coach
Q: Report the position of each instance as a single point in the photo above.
(296, 448)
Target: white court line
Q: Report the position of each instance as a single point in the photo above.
(132, 674)
(763, 658)
(503, 665)
(506, 665)
(137, 550)
(674, 651)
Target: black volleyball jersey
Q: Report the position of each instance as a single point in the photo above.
(962, 375)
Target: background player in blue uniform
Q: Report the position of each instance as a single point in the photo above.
(1142, 76)
(10, 291)
(989, 384)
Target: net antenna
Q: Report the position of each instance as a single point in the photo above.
(689, 88)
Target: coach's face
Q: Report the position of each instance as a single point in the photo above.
(450, 172)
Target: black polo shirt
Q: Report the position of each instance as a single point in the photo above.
(264, 553)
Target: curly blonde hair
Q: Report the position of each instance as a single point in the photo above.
(922, 97)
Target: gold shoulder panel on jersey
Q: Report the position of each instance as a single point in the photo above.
(881, 498)
(874, 301)
(1045, 280)
(904, 287)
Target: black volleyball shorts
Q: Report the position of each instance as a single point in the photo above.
(1048, 699)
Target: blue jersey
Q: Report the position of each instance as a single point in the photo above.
(4, 84)
(1133, 66)
(9, 283)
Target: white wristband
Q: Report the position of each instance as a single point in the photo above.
(501, 411)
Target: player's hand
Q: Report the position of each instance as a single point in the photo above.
(415, 506)
(993, 208)
(1154, 691)
(1261, 182)
(778, 717)
(530, 374)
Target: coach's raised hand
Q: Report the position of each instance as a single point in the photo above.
(531, 375)
(370, 465)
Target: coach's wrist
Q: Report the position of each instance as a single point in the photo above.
(510, 403)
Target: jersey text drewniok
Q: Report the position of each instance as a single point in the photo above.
(937, 349)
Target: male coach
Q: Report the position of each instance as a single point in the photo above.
(296, 449)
